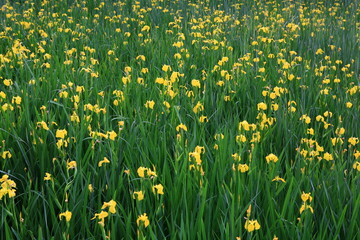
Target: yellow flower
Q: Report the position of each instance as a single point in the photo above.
(146, 28)
(102, 215)
(319, 51)
(243, 168)
(353, 140)
(7, 187)
(140, 80)
(305, 118)
(219, 136)
(278, 179)
(150, 104)
(220, 83)
(61, 143)
(2, 95)
(195, 83)
(151, 173)
(244, 125)
(226, 98)
(6, 154)
(198, 107)
(241, 138)
(139, 195)
(144, 70)
(306, 197)
(328, 114)
(105, 160)
(328, 156)
(43, 125)
(291, 77)
(67, 215)
(16, 100)
(47, 177)
(141, 171)
(310, 131)
(144, 219)
(236, 157)
(63, 94)
(181, 126)
(167, 104)
(340, 131)
(8, 82)
(251, 225)
(292, 109)
(61, 133)
(160, 80)
(196, 154)
(166, 68)
(356, 166)
(71, 165)
(248, 211)
(121, 124)
(271, 157)
(127, 69)
(203, 119)
(111, 205)
(126, 80)
(159, 189)
(305, 206)
(261, 106)
(90, 188)
(141, 57)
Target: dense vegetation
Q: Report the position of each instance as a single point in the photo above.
(172, 119)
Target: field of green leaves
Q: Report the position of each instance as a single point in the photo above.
(175, 119)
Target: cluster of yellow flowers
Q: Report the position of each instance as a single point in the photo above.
(7, 187)
(111, 205)
(251, 225)
(307, 199)
(240, 167)
(203, 73)
(195, 159)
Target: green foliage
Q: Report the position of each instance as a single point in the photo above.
(179, 119)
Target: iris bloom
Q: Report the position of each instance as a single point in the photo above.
(251, 225)
(101, 216)
(66, 214)
(111, 205)
(159, 189)
(271, 157)
(144, 219)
